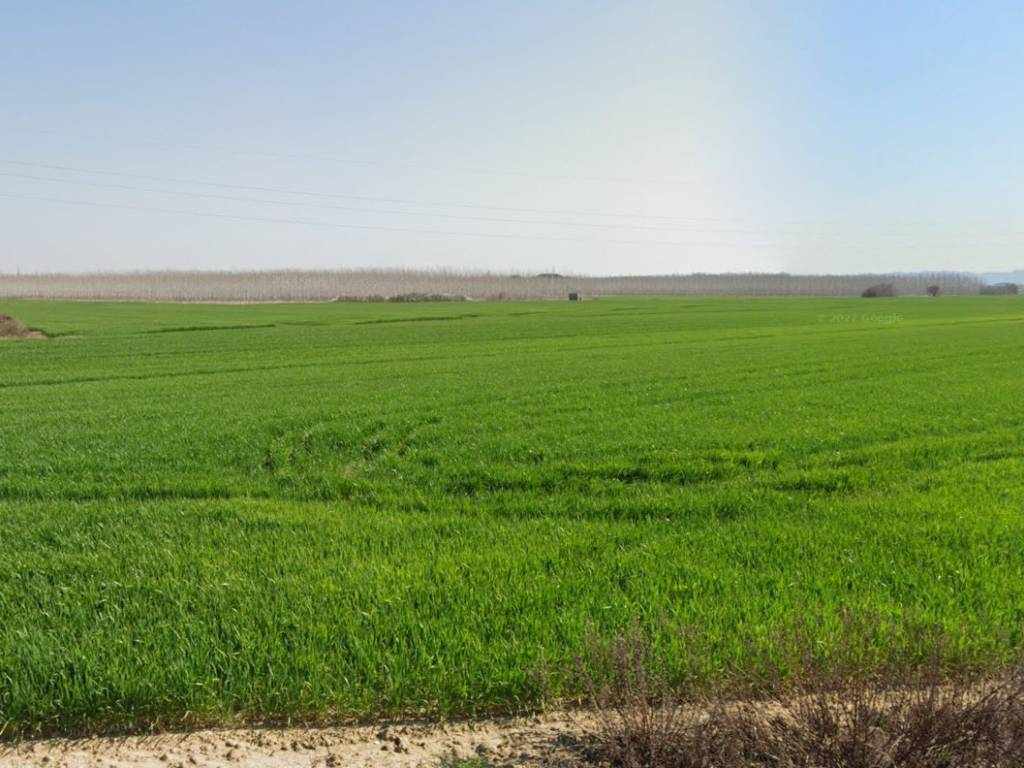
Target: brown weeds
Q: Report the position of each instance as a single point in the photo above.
(10, 328)
(921, 718)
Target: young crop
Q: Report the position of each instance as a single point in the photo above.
(306, 512)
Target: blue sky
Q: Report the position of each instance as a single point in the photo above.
(810, 137)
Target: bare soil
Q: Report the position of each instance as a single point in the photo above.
(550, 740)
(11, 328)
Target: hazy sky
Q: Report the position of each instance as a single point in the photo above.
(799, 136)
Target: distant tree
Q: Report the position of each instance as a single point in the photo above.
(1000, 289)
(879, 291)
(934, 290)
(377, 284)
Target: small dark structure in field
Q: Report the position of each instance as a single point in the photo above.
(574, 297)
(879, 291)
(1000, 289)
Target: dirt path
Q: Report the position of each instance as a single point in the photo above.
(525, 743)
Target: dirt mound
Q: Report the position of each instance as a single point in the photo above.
(15, 329)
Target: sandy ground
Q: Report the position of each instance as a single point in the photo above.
(551, 740)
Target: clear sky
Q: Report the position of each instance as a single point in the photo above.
(596, 137)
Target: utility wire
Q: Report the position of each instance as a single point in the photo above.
(383, 163)
(491, 219)
(828, 239)
(376, 228)
(365, 198)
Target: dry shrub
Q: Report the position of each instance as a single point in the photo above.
(10, 328)
(920, 718)
(916, 721)
(399, 298)
(879, 291)
(1000, 289)
(642, 722)
(415, 298)
(370, 299)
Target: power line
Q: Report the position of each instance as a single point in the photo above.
(489, 219)
(365, 198)
(380, 163)
(485, 219)
(371, 227)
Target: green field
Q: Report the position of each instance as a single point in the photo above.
(319, 511)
